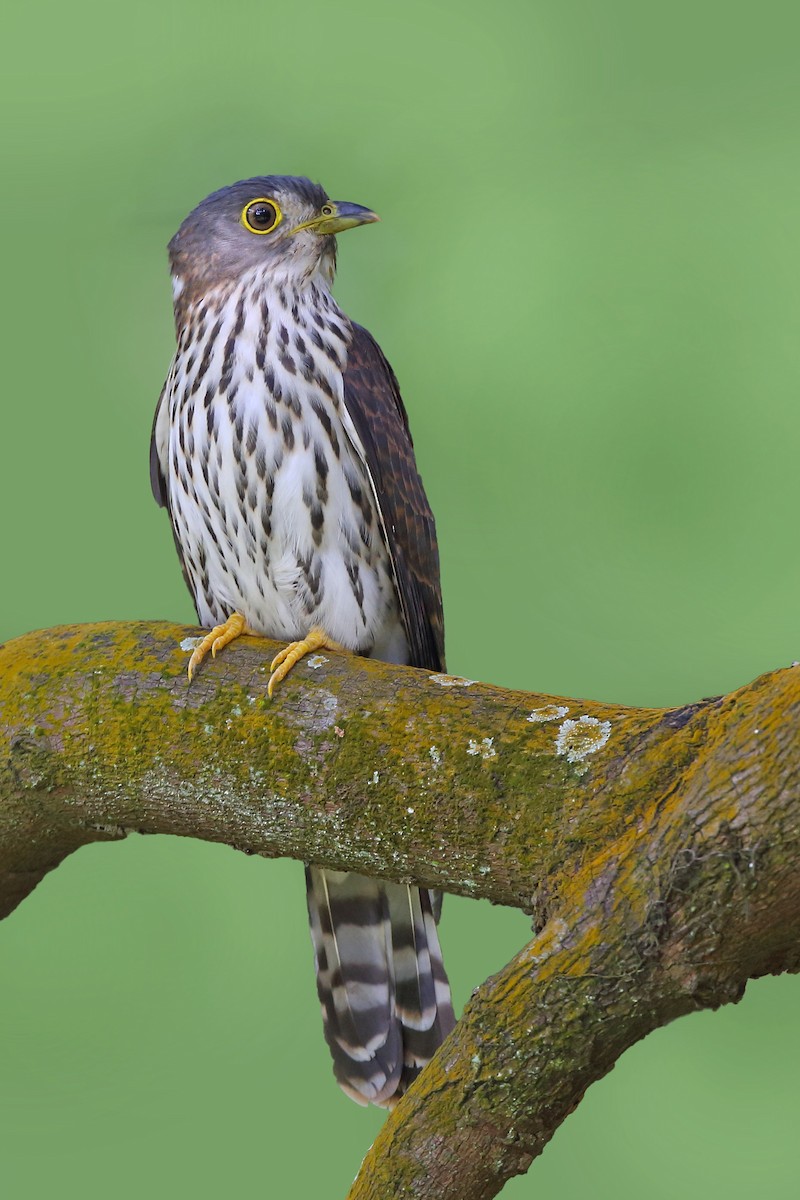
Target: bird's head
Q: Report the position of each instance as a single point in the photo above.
(284, 225)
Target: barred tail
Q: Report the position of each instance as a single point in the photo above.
(382, 986)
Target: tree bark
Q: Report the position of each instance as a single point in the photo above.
(654, 848)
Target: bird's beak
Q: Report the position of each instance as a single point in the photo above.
(344, 216)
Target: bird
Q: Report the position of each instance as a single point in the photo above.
(281, 451)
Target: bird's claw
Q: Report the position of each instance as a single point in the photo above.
(286, 658)
(215, 640)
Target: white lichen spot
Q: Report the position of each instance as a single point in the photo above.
(208, 729)
(550, 712)
(436, 755)
(409, 810)
(316, 661)
(323, 714)
(484, 747)
(578, 739)
(114, 830)
(190, 644)
(236, 711)
(451, 680)
(375, 779)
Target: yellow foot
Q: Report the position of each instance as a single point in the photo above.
(282, 663)
(218, 638)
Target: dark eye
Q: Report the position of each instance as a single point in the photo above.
(261, 216)
(327, 210)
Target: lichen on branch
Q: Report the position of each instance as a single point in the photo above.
(654, 848)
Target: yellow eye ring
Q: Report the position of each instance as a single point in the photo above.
(261, 215)
(327, 210)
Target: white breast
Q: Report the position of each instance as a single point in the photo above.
(271, 502)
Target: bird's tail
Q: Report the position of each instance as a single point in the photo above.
(382, 986)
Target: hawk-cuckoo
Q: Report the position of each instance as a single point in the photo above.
(282, 453)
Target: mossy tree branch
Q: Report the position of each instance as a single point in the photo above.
(655, 849)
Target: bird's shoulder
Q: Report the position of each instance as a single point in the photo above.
(370, 378)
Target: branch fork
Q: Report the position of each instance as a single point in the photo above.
(655, 849)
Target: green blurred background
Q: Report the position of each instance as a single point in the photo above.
(587, 280)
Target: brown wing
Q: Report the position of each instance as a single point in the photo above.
(372, 399)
